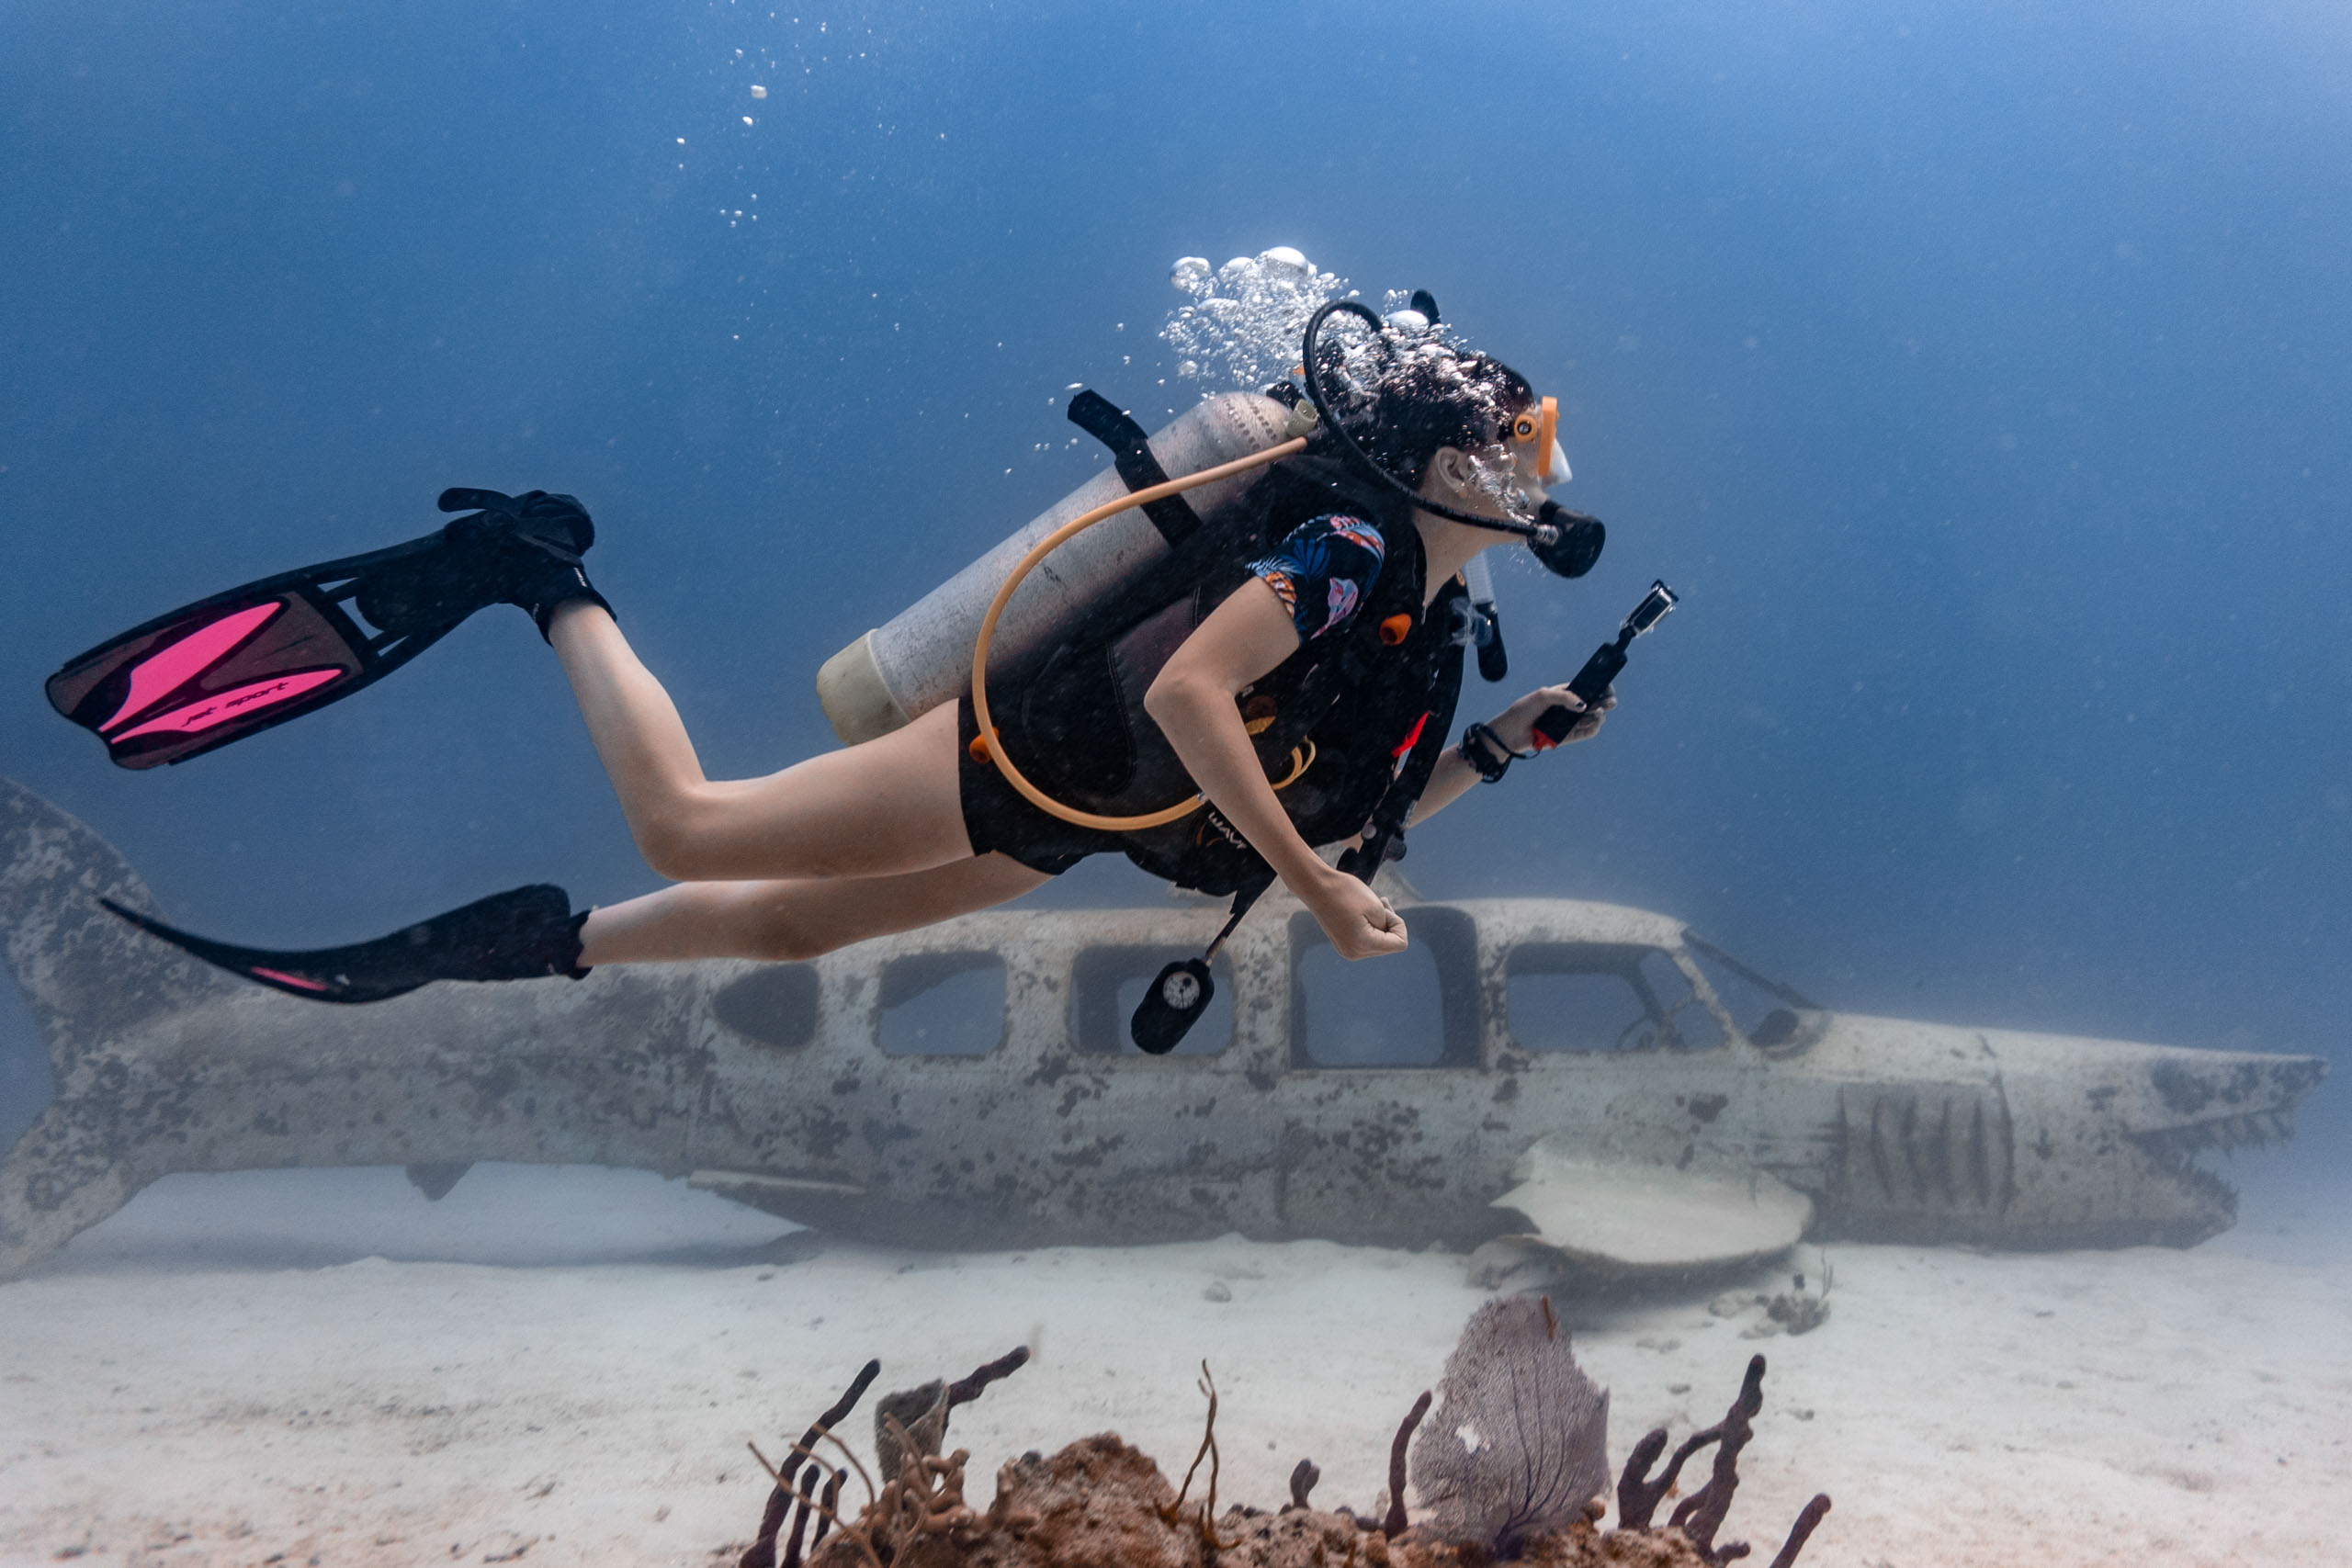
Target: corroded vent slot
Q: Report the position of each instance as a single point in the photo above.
(1935, 1150)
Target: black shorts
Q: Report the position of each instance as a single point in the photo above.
(999, 820)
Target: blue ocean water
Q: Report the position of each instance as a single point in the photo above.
(1979, 373)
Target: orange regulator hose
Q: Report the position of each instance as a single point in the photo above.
(1045, 547)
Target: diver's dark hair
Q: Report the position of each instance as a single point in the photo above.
(1426, 395)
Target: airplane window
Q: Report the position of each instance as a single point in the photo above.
(943, 1004)
(1109, 982)
(1594, 997)
(1694, 1028)
(1416, 1009)
(1765, 1010)
(1383, 1012)
(774, 1005)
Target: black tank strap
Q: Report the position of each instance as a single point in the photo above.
(1131, 454)
(1384, 838)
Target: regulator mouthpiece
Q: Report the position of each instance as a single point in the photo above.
(1567, 542)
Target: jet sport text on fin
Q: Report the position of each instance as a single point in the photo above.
(245, 660)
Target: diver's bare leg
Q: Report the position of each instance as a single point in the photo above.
(886, 807)
(799, 918)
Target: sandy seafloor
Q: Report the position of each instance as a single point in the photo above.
(563, 1367)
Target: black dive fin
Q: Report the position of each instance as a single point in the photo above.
(522, 934)
(463, 498)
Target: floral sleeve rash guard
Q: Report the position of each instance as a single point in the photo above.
(1323, 571)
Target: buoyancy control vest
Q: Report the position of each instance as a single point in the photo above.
(1347, 728)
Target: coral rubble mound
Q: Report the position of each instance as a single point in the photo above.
(1510, 1470)
(1099, 1502)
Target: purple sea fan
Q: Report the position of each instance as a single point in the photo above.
(1521, 1443)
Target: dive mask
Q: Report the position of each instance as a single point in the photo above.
(1539, 428)
(1575, 537)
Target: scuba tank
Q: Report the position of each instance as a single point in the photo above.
(923, 657)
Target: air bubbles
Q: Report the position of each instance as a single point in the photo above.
(747, 119)
(1244, 320)
(1494, 473)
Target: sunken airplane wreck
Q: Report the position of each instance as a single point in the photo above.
(1583, 1062)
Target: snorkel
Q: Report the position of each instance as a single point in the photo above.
(1567, 542)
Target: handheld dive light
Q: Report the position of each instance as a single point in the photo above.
(1591, 682)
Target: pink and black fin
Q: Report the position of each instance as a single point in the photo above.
(237, 664)
(525, 933)
(252, 657)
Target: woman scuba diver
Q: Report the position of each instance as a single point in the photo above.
(1294, 656)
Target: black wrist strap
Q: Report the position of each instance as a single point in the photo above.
(1484, 751)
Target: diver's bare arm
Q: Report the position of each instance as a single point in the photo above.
(1515, 726)
(1452, 778)
(1193, 702)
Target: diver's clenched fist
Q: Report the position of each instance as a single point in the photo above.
(1359, 923)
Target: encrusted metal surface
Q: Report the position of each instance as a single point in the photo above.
(769, 1083)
